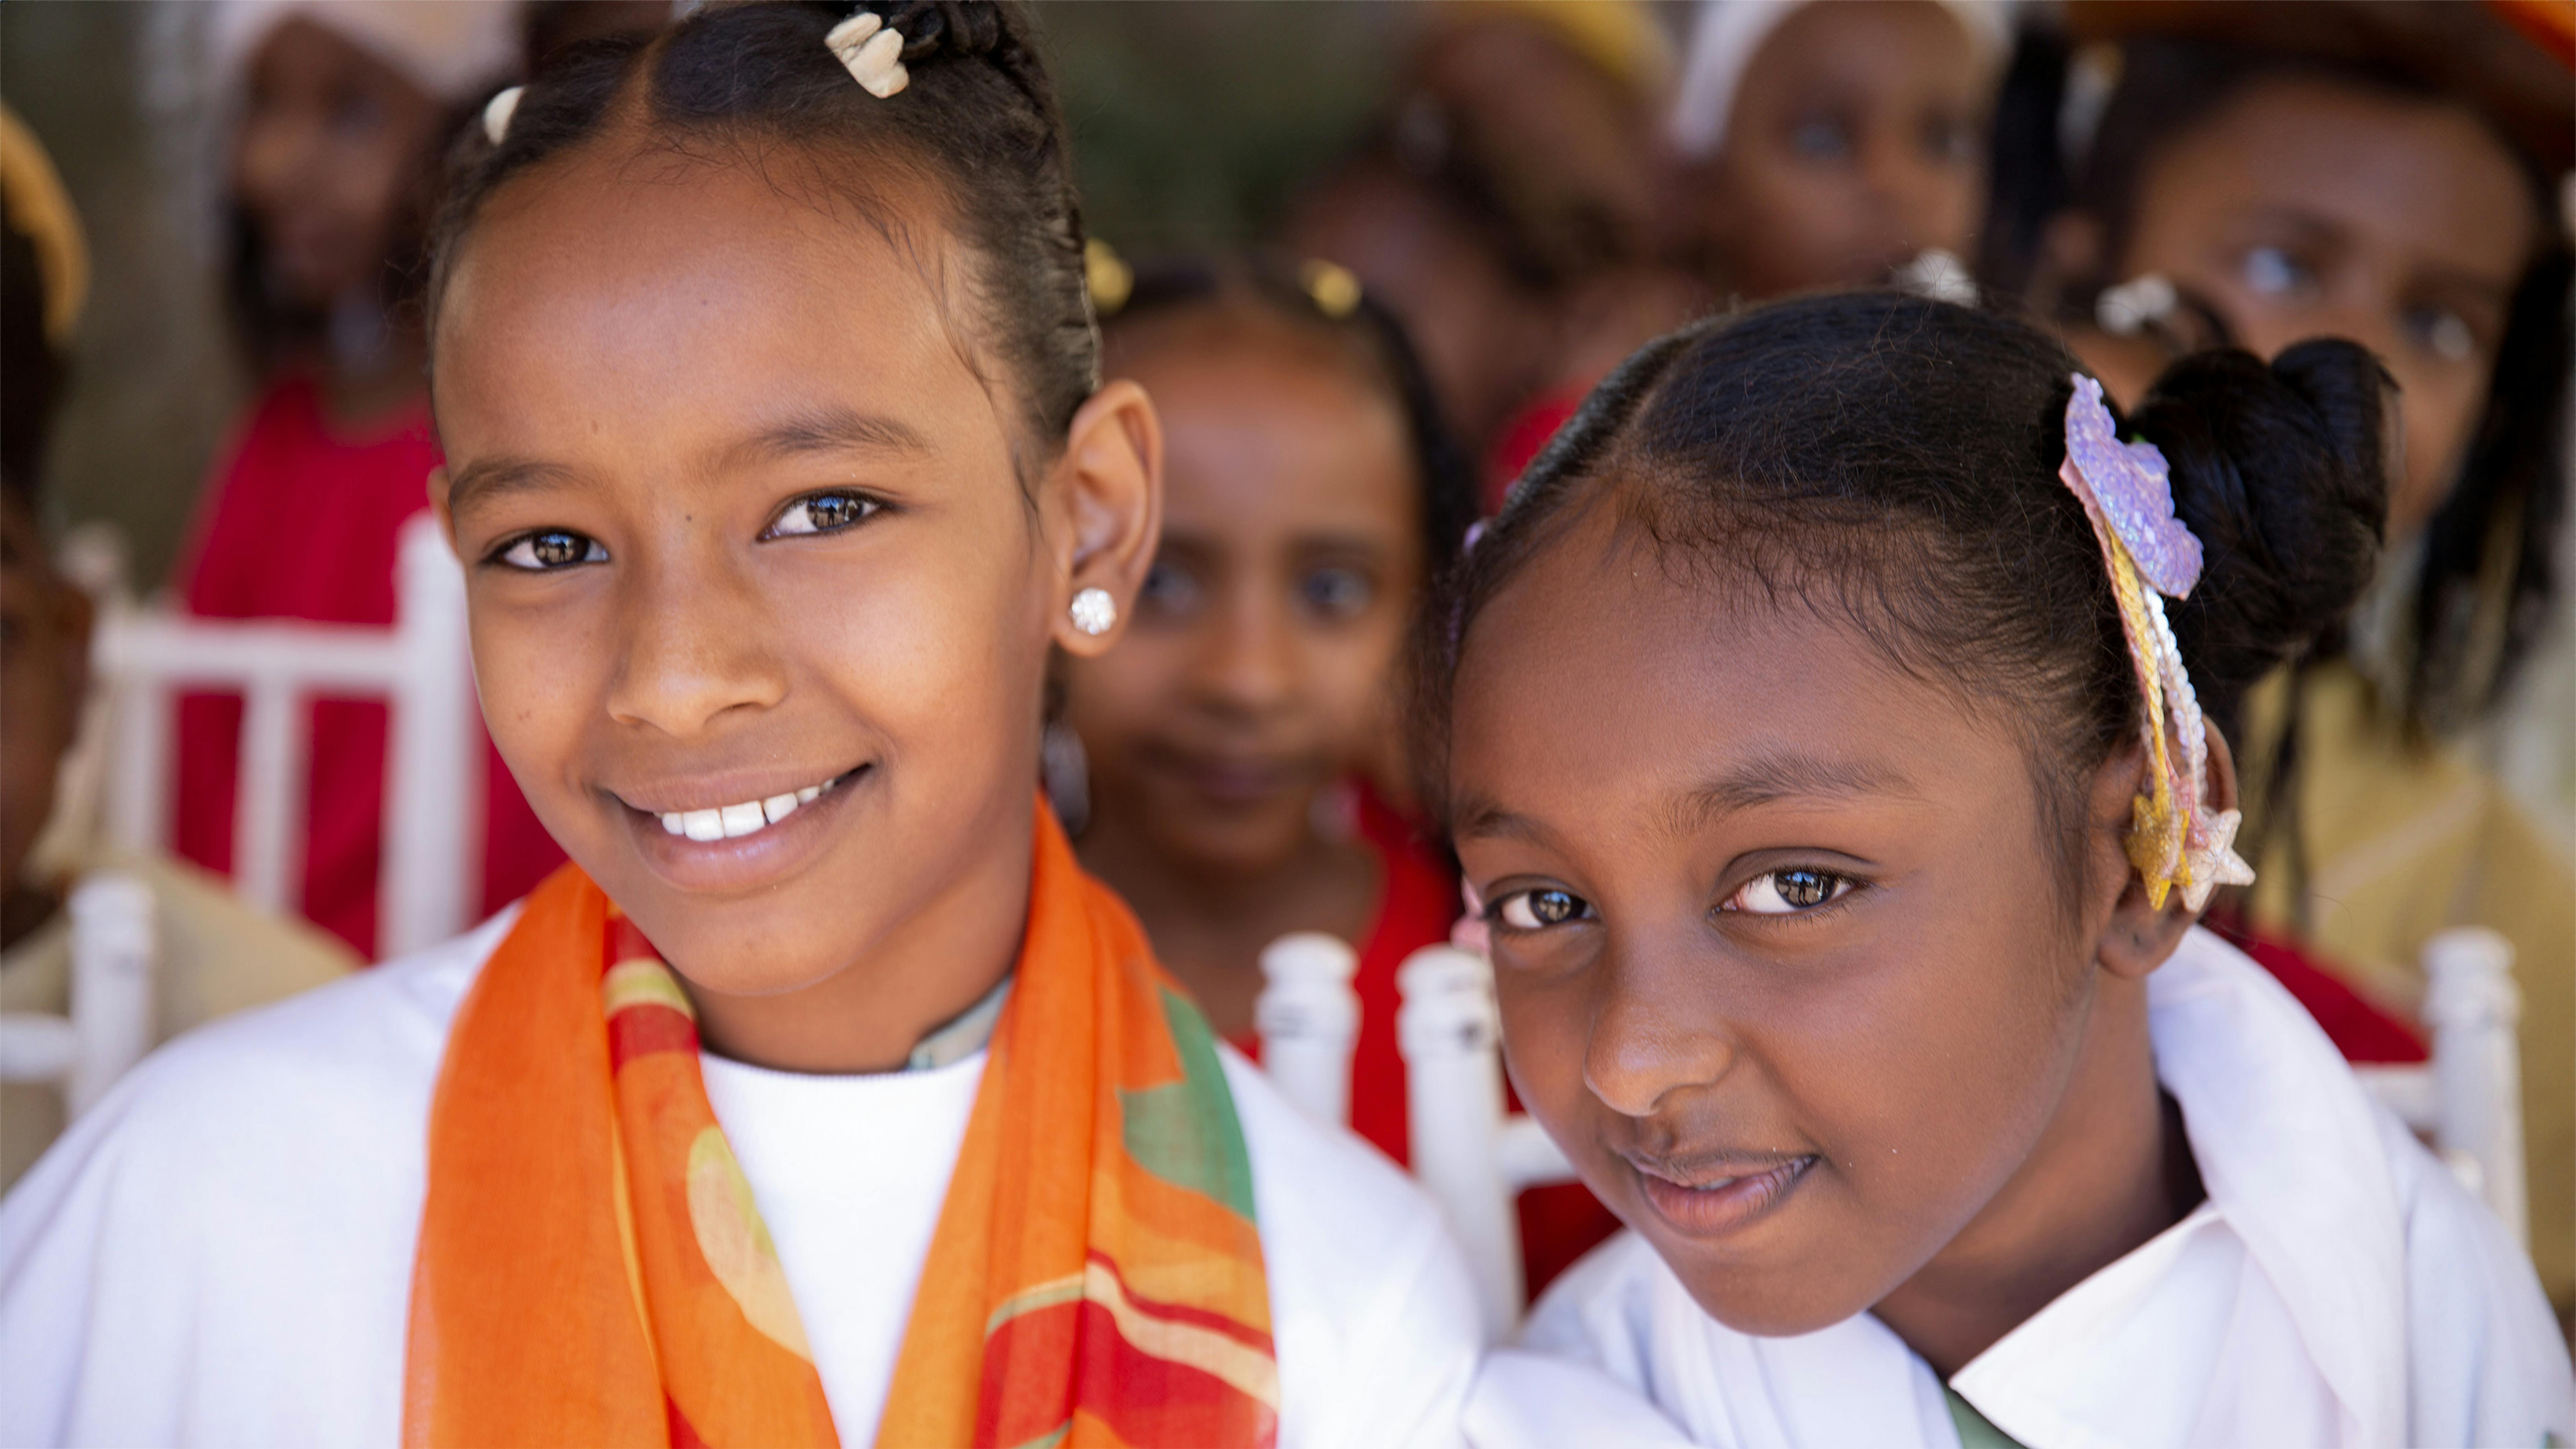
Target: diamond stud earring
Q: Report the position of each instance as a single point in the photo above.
(1094, 611)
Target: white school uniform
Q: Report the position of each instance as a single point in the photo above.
(2338, 1287)
(221, 1252)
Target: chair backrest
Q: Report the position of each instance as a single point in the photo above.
(433, 777)
(2468, 1100)
(1309, 1020)
(113, 951)
(1469, 1153)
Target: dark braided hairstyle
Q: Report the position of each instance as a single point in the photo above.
(1891, 462)
(1327, 301)
(979, 118)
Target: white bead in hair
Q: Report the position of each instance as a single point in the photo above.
(497, 113)
(872, 53)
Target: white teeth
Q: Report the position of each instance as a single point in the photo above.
(735, 820)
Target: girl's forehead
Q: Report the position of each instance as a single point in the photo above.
(2417, 167)
(711, 280)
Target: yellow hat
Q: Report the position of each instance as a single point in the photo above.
(1621, 38)
(39, 207)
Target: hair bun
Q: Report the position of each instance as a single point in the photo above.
(2281, 470)
(949, 27)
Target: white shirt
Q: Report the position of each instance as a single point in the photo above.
(221, 1251)
(2338, 1287)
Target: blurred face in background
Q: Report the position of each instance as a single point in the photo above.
(1857, 139)
(2308, 207)
(331, 163)
(1257, 671)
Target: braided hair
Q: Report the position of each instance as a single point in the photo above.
(1325, 299)
(979, 118)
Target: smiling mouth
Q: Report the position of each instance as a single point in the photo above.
(732, 822)
(1710, 1206)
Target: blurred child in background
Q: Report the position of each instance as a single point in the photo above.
(1832, 145)
(2259, 175)
(213, 954)
(344, 109)
(1508, 208)
(1231, 738)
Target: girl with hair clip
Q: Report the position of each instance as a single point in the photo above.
(1836, 731)
(1235, 740)
(823, 1098)
(2389, 174)
(342, 109)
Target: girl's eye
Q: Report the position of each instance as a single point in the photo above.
(822, 513)
(2442, 332)
(1539, 909)
(1335, 593)
(1820, 139)
(2273, 272)
(1788, 892)
(1949, 141)
(548, 549)
(1169, 590)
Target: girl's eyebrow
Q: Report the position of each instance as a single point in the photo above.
(829, 429)
(486, 478)
(1785, 775)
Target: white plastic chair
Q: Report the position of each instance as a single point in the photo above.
(113, 948)
(144, 659)
(2468, 1099)
(1474, 1159)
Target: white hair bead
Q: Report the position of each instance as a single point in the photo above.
(497, 113)
(871, 53)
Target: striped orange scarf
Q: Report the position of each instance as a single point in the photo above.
(592, 1269)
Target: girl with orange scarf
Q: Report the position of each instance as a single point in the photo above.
(823, 1097)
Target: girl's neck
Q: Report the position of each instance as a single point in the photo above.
(1210, 921)
(2112, 1170)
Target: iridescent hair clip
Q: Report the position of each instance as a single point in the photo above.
(872, 52)
(2175, 838)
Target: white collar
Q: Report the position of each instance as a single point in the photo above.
(2290, 1149)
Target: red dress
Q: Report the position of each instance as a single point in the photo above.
(301, 523)
(1559, 1223)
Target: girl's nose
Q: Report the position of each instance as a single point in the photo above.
(1250, 663)
(694, 651)
(1648, 1040)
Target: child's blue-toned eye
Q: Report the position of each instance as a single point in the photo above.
(1821, 139)
(548, 549)
(1787, 892)
(2442, 332)
(1536, 910)
(1169, 590)
(1335, 593)
(822, 513)
(2273, 272)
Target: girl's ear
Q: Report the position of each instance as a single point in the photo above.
(1111, 486)
(2139, 937)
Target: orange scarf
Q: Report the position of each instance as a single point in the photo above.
(592, 1269)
